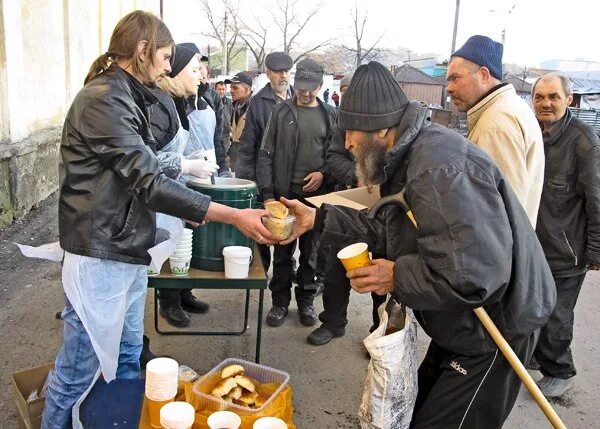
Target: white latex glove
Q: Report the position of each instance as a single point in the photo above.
(198, 167)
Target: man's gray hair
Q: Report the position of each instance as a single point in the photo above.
(565, 81)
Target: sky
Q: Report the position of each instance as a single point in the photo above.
(535, 30)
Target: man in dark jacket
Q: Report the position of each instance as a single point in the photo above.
(568, 224)
(277, 90)
(292, 164)
(241, 94)
(259, 110)
(474, 247)
(221, 89)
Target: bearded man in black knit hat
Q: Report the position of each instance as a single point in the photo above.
(473, 246)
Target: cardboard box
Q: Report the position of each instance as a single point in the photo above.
(25, 382)
(359, 198)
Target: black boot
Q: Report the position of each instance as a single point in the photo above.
(192, 304)
(308, 316)
(277, 315)
(323, 335)
(146, 355)
(175, 316)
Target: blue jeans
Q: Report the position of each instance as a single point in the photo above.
(76, 362)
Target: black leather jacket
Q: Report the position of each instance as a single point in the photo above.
(257, 116)
(110, 182)
(568, 224)
(474, 246)
(277, 154)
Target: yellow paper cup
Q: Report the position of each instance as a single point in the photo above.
(355, 256)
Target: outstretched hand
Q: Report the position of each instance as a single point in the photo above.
(249, 222)
(305, 218)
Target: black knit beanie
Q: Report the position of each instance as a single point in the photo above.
(183, 55)
(374, 100)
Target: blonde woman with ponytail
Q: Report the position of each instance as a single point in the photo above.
(111, 187)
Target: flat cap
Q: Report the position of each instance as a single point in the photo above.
(278, 61)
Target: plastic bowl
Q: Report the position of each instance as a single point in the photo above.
(280, 228)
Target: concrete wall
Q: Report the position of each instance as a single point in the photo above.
(46, 48)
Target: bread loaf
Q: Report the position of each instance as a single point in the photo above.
(223, 387)
(232, 371)
(245, 382)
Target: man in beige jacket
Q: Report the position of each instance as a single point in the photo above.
(499, 121)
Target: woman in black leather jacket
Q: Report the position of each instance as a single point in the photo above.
(111, 187)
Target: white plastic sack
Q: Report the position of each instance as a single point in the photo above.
(390, 388)
(49, 251)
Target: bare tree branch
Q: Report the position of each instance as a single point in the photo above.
(305, 53)
(360, 53)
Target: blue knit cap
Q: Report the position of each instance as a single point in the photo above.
(484, 52)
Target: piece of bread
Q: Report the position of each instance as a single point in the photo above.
(236, 393)
(232, 371)
(277, 209)
(259, 402)
(248, 398)
(246, 382)
(223, 387)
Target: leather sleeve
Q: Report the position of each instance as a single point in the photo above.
(110, 127)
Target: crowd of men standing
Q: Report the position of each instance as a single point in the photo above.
(293, 147)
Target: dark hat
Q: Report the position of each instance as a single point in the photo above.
(278, 61)
(309, 75)
(373, 101)
(194, 47)
(183, 56)
(241, 77)
(484, 52)
(345, 81)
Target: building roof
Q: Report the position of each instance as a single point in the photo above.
(409, 74)
(585, 86)
(521, 86)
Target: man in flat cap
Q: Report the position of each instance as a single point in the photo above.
(470, 224)
(278, 89)
(291, 164)
(241, 93)
(499, 121)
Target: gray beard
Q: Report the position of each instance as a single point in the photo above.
(370, 162)
(282, 88)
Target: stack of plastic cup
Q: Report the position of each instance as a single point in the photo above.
(181, 257)
(161, 386)
(177, 415)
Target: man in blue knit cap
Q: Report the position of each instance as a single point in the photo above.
(499, 121)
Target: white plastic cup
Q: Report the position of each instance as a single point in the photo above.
(161, 379)
(224, 420)
(177, 415)
(269, 423)
(237, 261)
(180, 266)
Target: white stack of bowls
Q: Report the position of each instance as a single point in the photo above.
(182, 256)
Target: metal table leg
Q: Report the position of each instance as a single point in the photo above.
(261, 298)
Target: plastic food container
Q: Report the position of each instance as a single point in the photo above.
(280, 228)
(260, 373)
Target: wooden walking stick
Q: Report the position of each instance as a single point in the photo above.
(496, 335)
